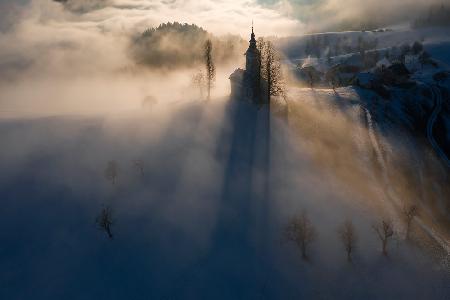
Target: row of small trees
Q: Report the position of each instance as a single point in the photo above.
(302, 232)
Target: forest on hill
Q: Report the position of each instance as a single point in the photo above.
(173, 45)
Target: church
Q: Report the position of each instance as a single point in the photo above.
(247, 85)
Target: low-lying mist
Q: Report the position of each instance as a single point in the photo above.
(386, 167)
(55, 62)
(341, 15)
(202, 189)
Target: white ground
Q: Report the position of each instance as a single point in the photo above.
(205, 221)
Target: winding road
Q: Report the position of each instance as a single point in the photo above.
(394, 202)
(437, 96)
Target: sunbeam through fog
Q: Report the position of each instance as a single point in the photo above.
(248, 149)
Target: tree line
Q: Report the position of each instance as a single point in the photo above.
(299, 230)
(175, 45)
(302, 232)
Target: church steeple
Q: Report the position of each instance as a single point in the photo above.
(252, 39)
(252, 69)
(246, 84)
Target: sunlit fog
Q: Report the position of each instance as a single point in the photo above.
(248, 149)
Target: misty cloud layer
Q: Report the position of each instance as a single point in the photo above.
(331, 15)
(67, 31)
(202, 209)
(75, 56)
(48, 45)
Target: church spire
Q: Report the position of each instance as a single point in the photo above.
(252, 39)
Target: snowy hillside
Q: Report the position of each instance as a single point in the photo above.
(205, 217)
(294, 47)
(178, 150)
(408, 71)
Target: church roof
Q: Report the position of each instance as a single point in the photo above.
(238, 74)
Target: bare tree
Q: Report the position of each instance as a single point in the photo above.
(409, 213)
(261, 45)
(198, 80)
(104, 221)
(310, 78)
(271, 70)
(313, 76)
(385, 231)
(138, 164)
(300, 231)
(332, 79)
(111, 172)
(348, 238)
(210, 67)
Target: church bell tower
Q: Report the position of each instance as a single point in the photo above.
(253, 66)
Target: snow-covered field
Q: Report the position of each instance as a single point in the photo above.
(375, 148)
(204, 190)
(206, 218)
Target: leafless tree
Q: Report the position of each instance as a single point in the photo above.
(198, 80)
(210, 67)
(312, 76)
(300, 231)
(334, 83)
(310, 79)
(409, 213)
(111, 172)
(104, 221)
(348, 238)
(385, 231)
(331, 77)
(260, 45)
(271, 70)
(138, 164)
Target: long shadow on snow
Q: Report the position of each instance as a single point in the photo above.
(231, 266)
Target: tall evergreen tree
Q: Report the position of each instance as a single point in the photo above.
(210, 67)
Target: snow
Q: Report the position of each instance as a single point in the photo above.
(220, 181)
(365, 79)
(412, 63)
(384, 63)
(435, 41)
(202, 222)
